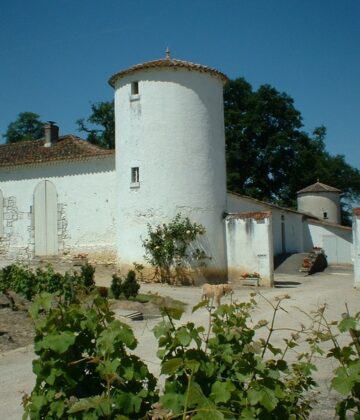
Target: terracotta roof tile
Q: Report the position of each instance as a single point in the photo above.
(319, 187)
(256, 215)
(167, 63)
(33, 152)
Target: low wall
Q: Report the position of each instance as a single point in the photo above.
(250, 245)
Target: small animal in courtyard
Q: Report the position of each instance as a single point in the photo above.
(216, 291)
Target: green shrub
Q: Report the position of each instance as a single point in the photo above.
(130, 286)
(116, 286)
(346, 379)
(126, 287)
(26, 282)
(168, 249)
(87, 274)
(19, 279)
(83, 369)
(226, 372)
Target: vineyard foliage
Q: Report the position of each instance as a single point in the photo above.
(86, 367)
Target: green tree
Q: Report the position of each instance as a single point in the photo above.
(269, 156)
(103, 118)
(26, 127)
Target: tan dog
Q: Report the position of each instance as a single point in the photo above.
(216, 291)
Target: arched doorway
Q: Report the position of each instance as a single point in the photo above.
(45, 219)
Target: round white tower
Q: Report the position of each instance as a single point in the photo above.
(170, 155)
(320, 200)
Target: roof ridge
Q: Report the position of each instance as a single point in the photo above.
(169, 63)
(319, 187)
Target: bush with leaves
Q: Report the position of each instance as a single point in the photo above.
(19, 279)
(126, 287)
(116, 286)
(168, 249)
(225, 372)
(28, 283)
(346, 378)
(84, 370)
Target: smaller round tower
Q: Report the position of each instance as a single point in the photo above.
(320, 200)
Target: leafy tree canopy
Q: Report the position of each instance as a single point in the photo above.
(269, 156)
(26, 127)
(103, 118)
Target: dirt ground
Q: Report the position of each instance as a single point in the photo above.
(334, 288)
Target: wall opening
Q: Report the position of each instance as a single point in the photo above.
(135, 177)
(134, 88)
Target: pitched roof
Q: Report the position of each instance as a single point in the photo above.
(269, 205)
(67, 147)
(170, 64)
(319, 187)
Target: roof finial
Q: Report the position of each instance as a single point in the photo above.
(167, 53)
(318, 180)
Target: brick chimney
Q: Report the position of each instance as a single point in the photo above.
(51, 133)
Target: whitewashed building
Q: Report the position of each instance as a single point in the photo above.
(62, 196)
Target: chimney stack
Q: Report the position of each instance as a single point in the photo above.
(51, 133)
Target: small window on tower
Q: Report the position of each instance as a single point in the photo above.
(135, 177)
(325, 215)
(135, 88)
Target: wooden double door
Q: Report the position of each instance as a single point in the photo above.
(46, 219)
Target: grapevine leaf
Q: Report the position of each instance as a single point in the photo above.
(58, 342)
(347, 324)
(169, 367)
(221, 391)
(85, 404)
(173, 401)
(199, 305)
(172, 312)
(183, 336)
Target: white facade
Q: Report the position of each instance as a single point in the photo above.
(172, 130)
(296, 232)
(335, 240)
(250, 246)
(287, 225)
(83, 216)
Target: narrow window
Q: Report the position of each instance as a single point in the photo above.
(135, 88)
(325, 215)
(135, 176)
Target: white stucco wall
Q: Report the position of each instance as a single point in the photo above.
(319, 203)
(356, 239)
(250, 246)
(174, 132)
(86, 206)
(335, 240)
(287, 232)
(288, 238)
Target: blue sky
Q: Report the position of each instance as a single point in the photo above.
(57, 55)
